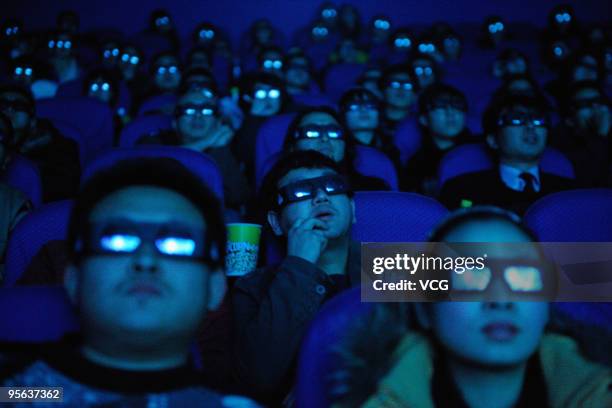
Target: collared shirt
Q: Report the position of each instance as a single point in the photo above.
(511, 176)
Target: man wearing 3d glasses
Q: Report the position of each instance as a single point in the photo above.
(198, 125)
(517, 130)
(146, 265)
(310, 208)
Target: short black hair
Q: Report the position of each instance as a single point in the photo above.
(209, 83)
(504, 102)
(437, 91)
(307, 159)
(159, 172)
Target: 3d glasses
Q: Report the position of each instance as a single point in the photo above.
(519, 276)
(523, 119)
(334, 132)
(124, 237)
(307, 189)
(269, 93)
(191, 110)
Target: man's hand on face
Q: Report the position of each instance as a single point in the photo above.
(221, 134)
(217, 136)
(306, 239)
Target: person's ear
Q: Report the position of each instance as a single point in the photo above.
(217, 287)
(422, 315)
(275, 224)
(492, 141)
(423, 120)
(71, 282)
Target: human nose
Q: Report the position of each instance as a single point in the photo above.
(320, 196)
(145, 258)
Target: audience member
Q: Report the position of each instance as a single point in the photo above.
(309, 206)
(320, 129)
(516, 128)
(442, 118)
(57, 157)
(146, 264)
(498, 352)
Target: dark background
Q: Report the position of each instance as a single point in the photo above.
(288, 15)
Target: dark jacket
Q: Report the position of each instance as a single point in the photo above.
(487, 187)
(421, 174)
(57, 159)
(590, 154)
(273, 307)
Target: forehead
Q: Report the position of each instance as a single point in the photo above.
(399, 76)
(194, 97)
(420, 62)
(166, 59)
(318, 118)
(263, 85)
(147, 204)
(521, 109)
(272, 54)
(495, 233)
(303, 174)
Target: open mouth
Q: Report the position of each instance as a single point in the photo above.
(324, 214)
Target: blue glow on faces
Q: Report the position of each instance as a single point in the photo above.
(122, 243)
(496, 27)
(402, 42)
(401, 85)
(127, 243)
(427, 48)
(175, 246)
(382, 24)
(207, 34)
(262, 94)
(563, 18)
(320, 31)
(272, 64)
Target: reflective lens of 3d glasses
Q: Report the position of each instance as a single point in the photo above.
(168, 240)
(193, 110)
(522, 119)
(270, 93)
(314, 132)
(519, 278)
(306, 189)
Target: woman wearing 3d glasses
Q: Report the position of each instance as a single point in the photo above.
(320, 129)
(496, 350)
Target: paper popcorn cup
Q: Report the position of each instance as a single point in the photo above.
(242, 248)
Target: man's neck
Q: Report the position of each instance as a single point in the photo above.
(334, 259)
(396, 114)
(126, 357)
(488, 388)
(520, 165)
(364, 136)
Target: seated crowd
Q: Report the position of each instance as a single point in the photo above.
(292, 132)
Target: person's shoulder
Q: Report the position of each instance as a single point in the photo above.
(477, 178)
